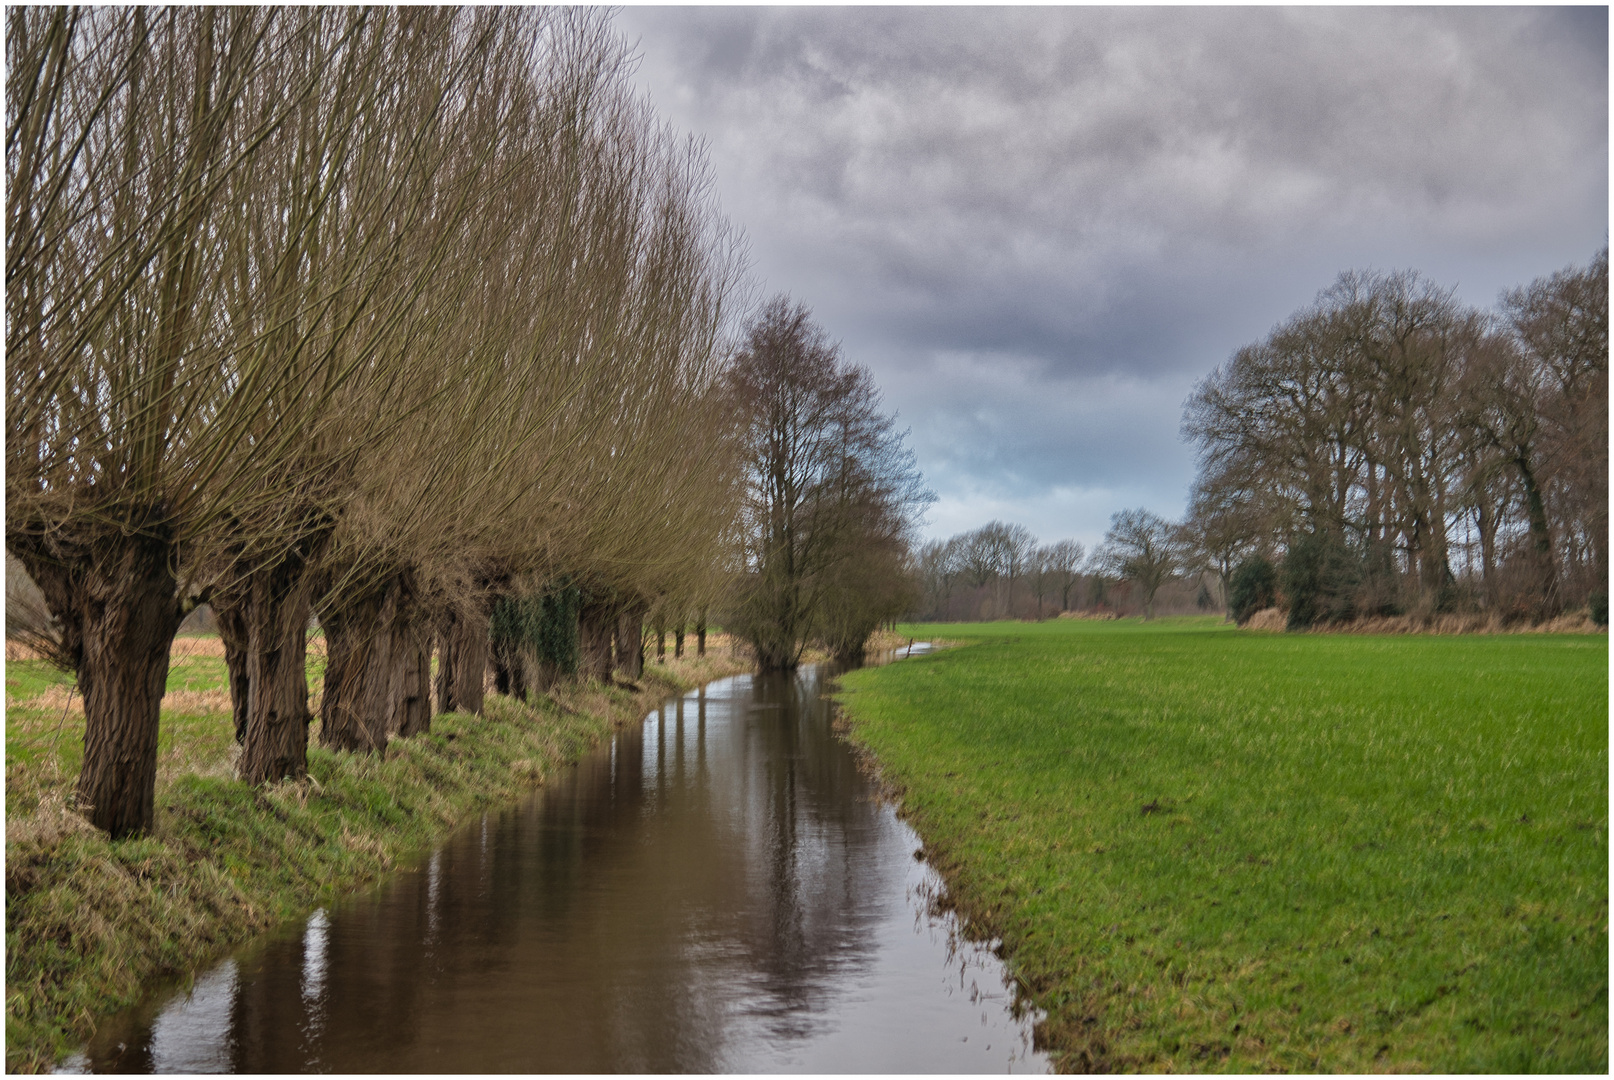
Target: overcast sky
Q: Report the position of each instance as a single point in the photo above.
(1039, 227)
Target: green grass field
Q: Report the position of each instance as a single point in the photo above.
(44, 740)
(1207, 849)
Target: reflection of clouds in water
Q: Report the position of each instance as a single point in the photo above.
(434, 890)
(314, 940)
(192, 1035)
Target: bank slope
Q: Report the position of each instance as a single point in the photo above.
(1206, 849)
(89, 922)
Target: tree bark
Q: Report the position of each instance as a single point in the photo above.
(378, 668)
(356, 704)
(507, 656)
(630, 643)
(463, 660)
(544, 674)
(1542, 600)
(114, 595)
(595, 620)
(233, 633)
(409, 704)
(413, 715)
(678, 641)
(277, 611)
(700, 635)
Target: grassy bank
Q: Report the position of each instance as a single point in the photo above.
(89, 922)
(1207, 849)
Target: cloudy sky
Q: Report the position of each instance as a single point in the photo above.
(1039, 227)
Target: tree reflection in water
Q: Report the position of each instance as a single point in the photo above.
(718, 890)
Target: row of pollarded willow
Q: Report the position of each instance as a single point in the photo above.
(1387, 421)
(369, 312)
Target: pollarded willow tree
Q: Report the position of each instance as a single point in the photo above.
(830, 492)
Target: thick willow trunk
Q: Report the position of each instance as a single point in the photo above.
(508, 657)
(356, 704)
(595, 620)
(378, 667)
(114, 596)
(263, 613)
(233, 633)
(518, 673)
(463, 660)
(413, 711)
(630, 643)
(700, 635)
(542, 674)
(276, 742)
(122, 677)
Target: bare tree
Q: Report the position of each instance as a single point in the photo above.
(372, 310)
(1141, 547)
(938, 565)
(822, 464)
(1224, 525)
(1560, 326)
(1065, 566)
(1019, 549)
(1039, 569)
(1386, 415)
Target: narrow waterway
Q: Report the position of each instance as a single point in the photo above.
(718, 890)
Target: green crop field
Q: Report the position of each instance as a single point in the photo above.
(1208, 849)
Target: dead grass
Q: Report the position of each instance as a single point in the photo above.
(185, 645)
(887, 641)
(60, 699)
(1575, 622)
(1269, 620)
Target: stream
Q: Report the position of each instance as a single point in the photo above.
(716, 890)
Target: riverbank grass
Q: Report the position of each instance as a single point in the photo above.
(90, 922)
(1206, 849)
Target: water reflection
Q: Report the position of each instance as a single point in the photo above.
(715, 891)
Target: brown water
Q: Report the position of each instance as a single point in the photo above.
(717, 891)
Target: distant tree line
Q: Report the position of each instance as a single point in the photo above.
(1385, 451)
(1002, 571)
(1388, 450)
(998, 571)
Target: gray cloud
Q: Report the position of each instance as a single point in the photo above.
(1039, 226)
